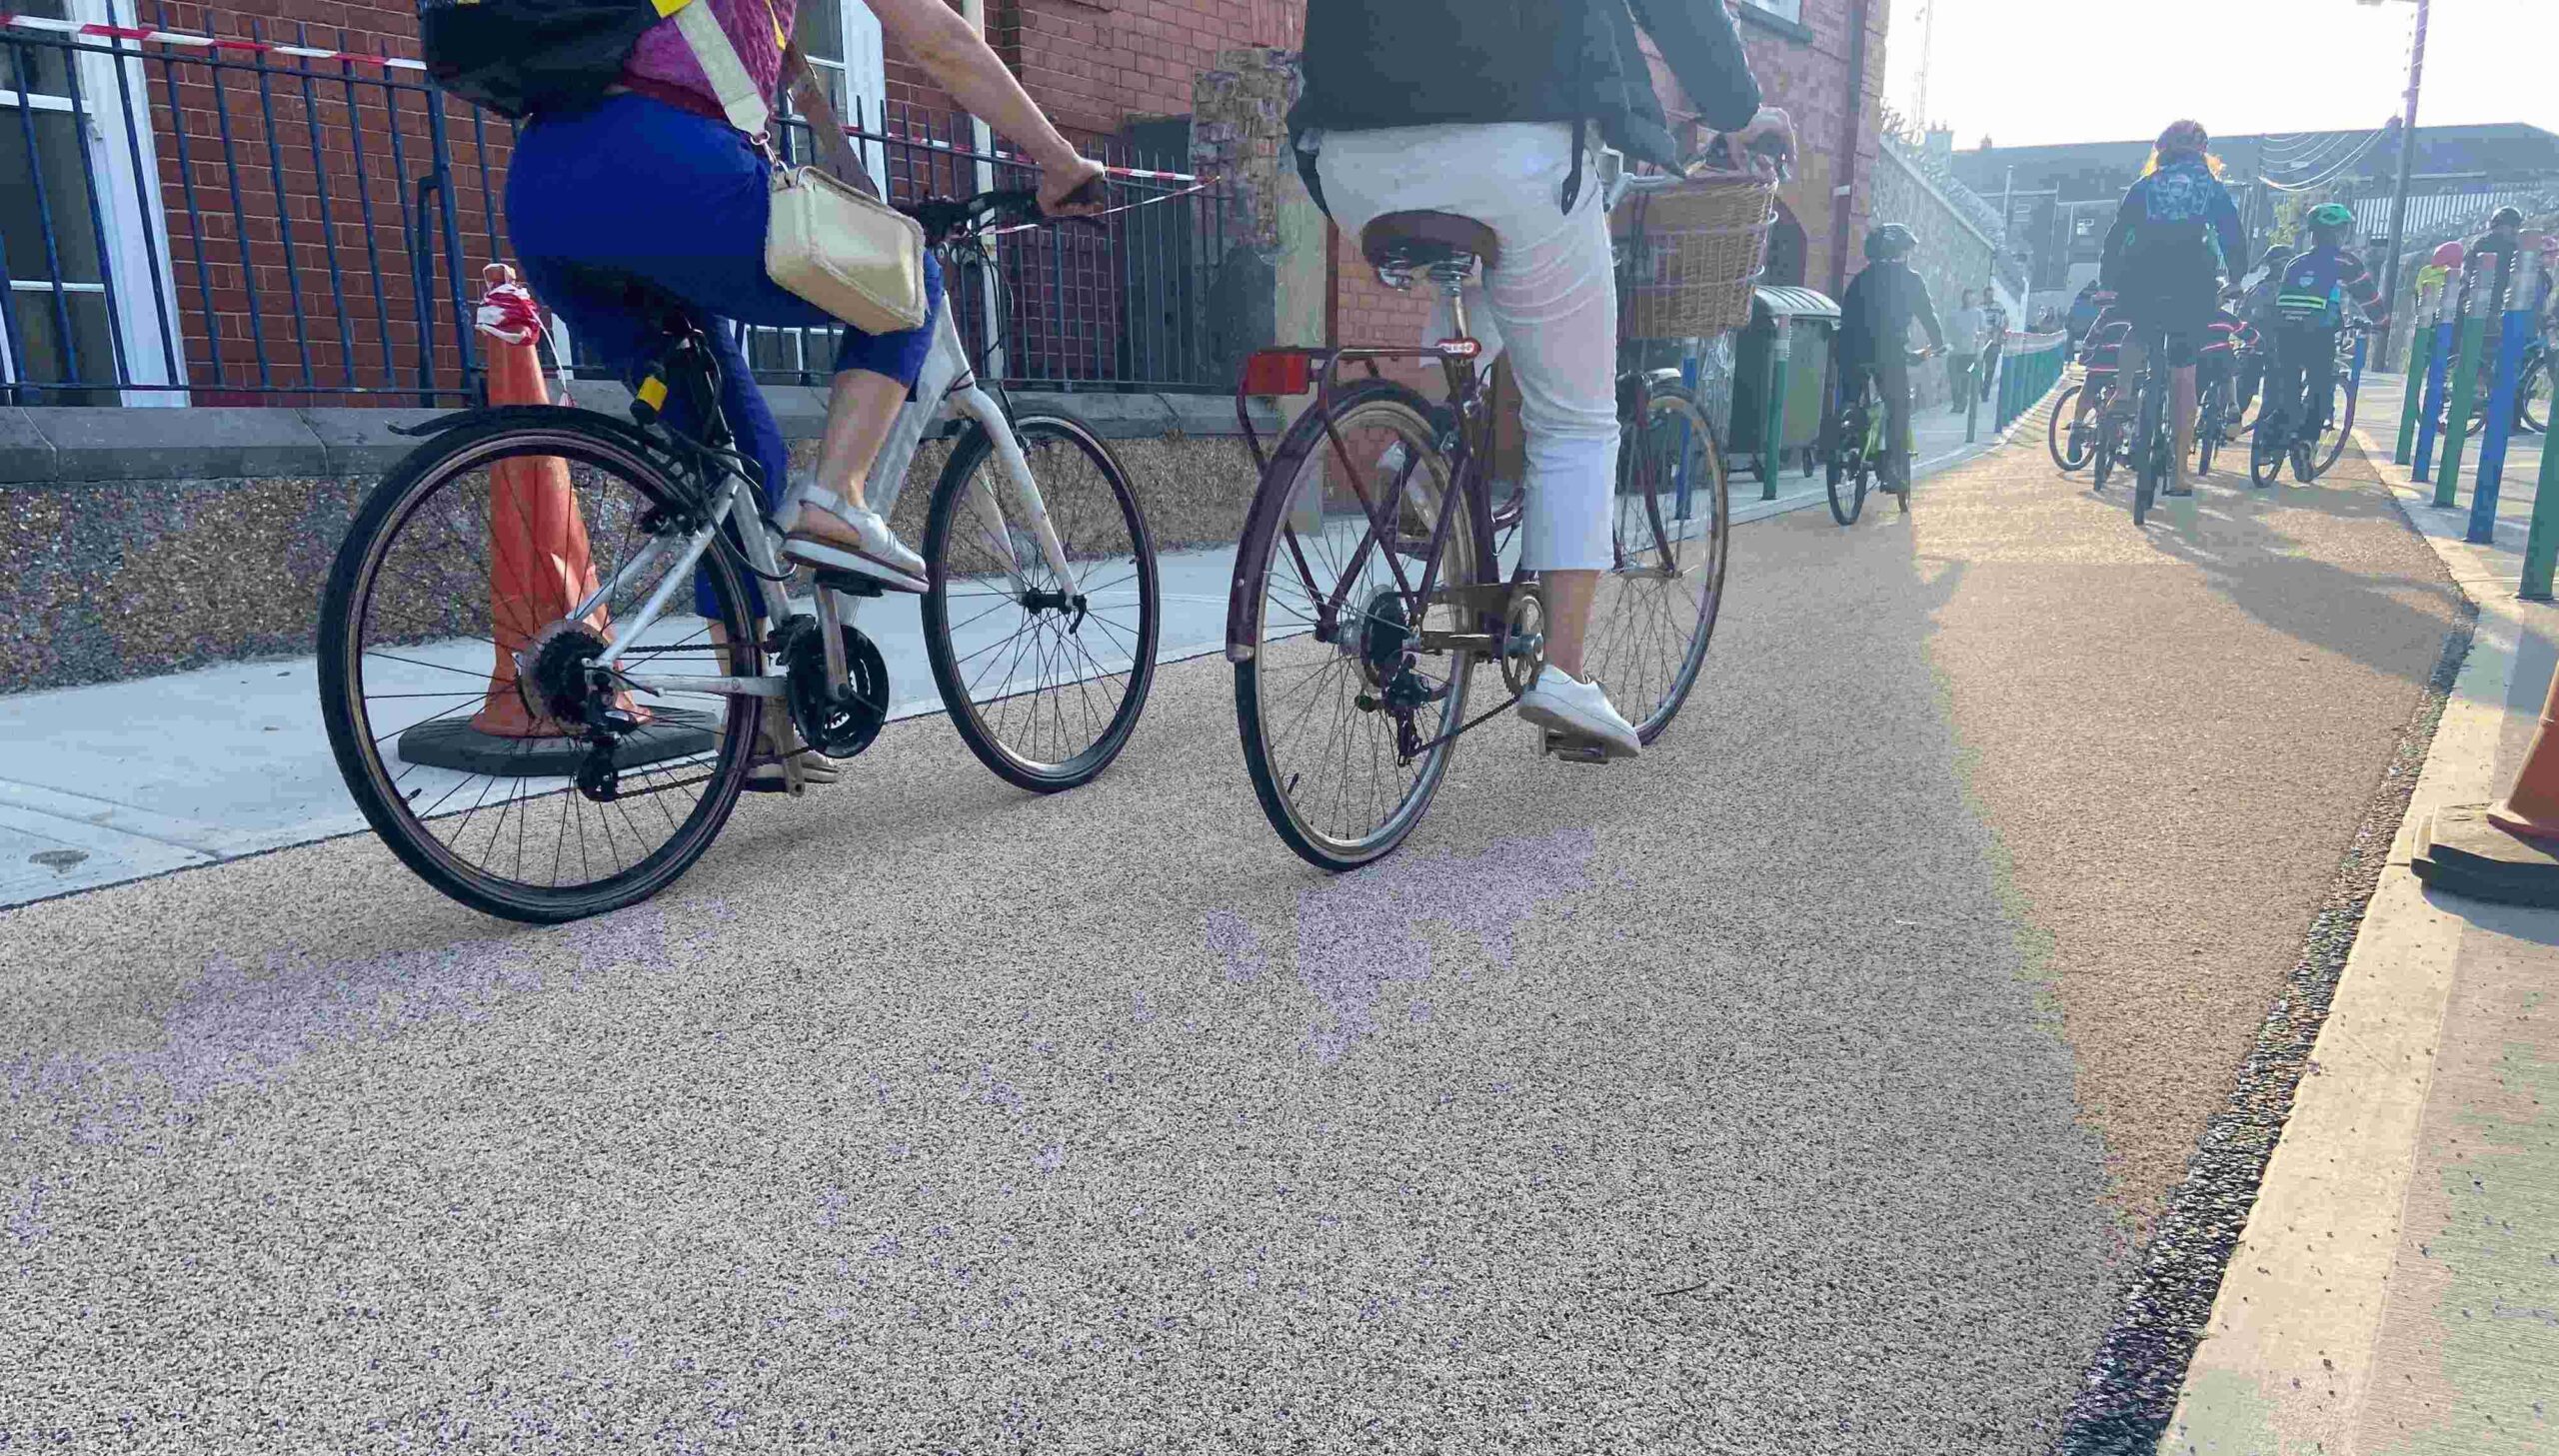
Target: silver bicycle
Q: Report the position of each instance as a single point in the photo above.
(521, 604)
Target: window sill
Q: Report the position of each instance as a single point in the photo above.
(1794, 31)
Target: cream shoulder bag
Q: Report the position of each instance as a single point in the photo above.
(829, 239)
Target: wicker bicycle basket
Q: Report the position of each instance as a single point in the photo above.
(1694, 252)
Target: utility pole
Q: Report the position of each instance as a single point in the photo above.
(2407, 155)
(1927, 48)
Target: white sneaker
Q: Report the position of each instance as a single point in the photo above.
(879, 556)
(1578, 710)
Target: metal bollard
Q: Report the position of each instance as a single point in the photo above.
(2438, 374)
(2462, 390)
(2421, 356)
(2514, 332)
(1771, 441)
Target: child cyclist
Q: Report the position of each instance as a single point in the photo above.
(2309, 309)
(2102, 355)
(1875, 339)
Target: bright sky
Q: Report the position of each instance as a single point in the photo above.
(2031, 71)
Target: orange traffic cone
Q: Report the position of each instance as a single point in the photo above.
(2508, 850)
(2532, 805)
(539, 567)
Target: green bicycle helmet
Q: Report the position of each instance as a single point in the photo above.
(2332, 218)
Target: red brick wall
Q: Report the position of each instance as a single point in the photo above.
(259, 229)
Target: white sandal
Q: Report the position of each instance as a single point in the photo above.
(880, 557)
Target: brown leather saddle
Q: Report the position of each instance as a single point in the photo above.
(1418, 240)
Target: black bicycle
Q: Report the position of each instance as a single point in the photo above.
(2279, 440)
(1859, 455)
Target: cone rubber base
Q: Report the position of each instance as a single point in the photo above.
(2462, 851)
(672, 733)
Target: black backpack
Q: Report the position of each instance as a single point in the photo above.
(519, 57)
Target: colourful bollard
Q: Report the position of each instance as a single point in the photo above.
(2438, 372)
(2514, 333)
(2421, 356)
(2541, 547)
(2463, 390)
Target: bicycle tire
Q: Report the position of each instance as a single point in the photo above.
(1657, 509)
(2342, 424)
(2109, 446)
(984, 721)
(1402, 410)
(2534, 390)
(2059, 432)
(580, 437)
(2149, 461)
(2266, 453)
(2207, 439)
(1845, 482)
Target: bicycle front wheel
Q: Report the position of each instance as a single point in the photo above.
(1045, 677)
(2341, 425)
(1656, 609)
(2061, 436)
(1345, 717)
(2533, 391)
(453, 675)
(1849, 473)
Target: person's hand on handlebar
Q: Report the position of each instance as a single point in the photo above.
(1767, 146)
(1073, 185)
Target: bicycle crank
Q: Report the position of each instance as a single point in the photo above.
(837, 721)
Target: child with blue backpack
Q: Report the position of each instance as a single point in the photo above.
(2309, 309)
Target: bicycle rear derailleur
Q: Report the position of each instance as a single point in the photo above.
(556, 677)
(837, 721)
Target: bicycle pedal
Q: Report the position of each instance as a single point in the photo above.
(849, 582)
(1571, 749)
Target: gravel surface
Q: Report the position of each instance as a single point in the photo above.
(1711, 1102)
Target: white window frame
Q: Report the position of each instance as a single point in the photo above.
(147, 328)
(1788, 10)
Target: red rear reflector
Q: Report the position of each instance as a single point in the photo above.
(1461, 347)
(1276, 373)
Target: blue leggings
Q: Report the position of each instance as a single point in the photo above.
(635, 187)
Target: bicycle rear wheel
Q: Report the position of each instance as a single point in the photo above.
(1849, 473)
(1044, 680)
(2266, 452)
(1655, 609)
(1343, 720)
(2149, 454)
(477, 779)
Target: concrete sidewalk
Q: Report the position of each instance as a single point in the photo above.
(2397, 1289)
(121, 780)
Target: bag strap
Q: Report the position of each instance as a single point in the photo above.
(743, 102)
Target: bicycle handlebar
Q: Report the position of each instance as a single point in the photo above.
(946, 218)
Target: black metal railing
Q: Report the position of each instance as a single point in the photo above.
(231, 224)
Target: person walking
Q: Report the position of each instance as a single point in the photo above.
(1994, 339)
(1964, 348)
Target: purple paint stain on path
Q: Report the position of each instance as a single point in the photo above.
(1355, 935)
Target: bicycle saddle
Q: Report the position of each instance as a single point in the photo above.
(1420, 239)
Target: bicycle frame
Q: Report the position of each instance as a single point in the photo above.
(1293, 371)
(950, 383)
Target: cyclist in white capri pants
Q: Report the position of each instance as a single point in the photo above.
(1491, 110)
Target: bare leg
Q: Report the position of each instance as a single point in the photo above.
(1570, 596)
(861, 405)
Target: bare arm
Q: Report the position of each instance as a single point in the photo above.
(953, 52)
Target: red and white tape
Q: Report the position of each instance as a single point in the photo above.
(247, 46)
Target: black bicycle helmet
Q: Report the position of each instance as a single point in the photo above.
(1889, 240)
(2506, 217)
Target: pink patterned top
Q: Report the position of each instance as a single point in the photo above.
(662, 62)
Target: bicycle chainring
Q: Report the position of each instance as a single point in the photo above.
(839, 723)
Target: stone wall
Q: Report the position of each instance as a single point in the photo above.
(1953, 253)
(131, 550)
